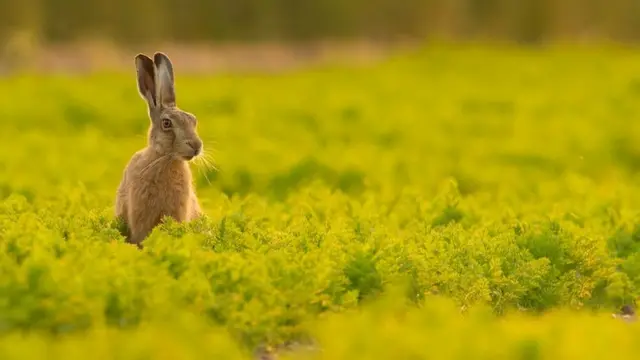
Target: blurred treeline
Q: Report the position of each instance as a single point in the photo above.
(134, 21)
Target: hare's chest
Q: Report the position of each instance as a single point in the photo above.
(163, 193)
(173, 187)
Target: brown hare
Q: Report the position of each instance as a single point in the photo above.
(157, 180)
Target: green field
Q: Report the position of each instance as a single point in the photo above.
(451, 204)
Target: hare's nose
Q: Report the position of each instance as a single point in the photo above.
(196, 145)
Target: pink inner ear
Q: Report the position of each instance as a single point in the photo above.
(149, 87)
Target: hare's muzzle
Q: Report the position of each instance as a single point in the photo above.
(196, 146)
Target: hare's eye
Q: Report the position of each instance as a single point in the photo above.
(166, 124)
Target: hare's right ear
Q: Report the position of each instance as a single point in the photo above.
(166, 94)
(145, 70)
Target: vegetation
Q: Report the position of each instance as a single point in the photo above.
(381, 211)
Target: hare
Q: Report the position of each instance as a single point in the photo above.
(157, 180)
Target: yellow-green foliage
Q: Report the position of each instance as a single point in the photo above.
(505, 180)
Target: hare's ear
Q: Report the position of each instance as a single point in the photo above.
(146, 79)
(165, 90)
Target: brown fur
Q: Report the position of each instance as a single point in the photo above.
(157, 180)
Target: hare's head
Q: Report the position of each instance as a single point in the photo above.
(173, 131)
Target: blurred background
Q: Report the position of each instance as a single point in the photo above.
(77, 34)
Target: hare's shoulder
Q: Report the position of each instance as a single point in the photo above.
(138, 157)
(138, 161)
(131, 166)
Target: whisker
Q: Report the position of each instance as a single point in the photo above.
(204, 173)
(209, 152)
(152, 164)
(208, 139)
(207, 164)
(209, 161)
(210, 149)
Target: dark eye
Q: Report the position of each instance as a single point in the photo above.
(166, 124)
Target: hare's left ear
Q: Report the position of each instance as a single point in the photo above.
(165, 89)
(146, 79)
